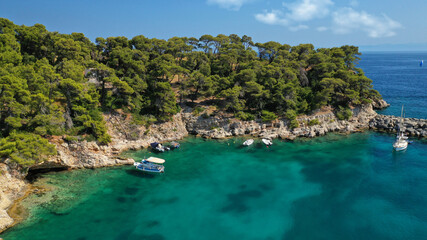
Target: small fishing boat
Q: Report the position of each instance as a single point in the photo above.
(401, 142)
(159, 147)
(174, 145)
(151, 164)
(248, 142)
(267, 142)
(421, 63)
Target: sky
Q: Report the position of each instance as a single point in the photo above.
(382, 25)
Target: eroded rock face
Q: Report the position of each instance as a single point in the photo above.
(223, 127)
(124, 135)
(380, 104)
(12, 187)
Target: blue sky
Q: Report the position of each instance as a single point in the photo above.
(371, 24)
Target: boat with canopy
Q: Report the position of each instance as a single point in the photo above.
(151, 164)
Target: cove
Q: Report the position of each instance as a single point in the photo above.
(332, 187)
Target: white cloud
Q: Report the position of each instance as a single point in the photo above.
(306, 10)
(233, 5)
(300, 11)
(275, 17)
(347, 20)
(321, 29)
(301, 14)
(298, 27)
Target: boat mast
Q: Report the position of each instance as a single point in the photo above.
(401, 121)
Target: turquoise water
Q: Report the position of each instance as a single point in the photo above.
(332, 187)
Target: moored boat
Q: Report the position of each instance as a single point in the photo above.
(248, 142)
(267, 142)
(151, 164)
(159, 147)
(401, 142)
(174, 145)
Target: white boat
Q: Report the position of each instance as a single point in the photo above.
(267, 142)
(401, 142)
(151, 164)
(248, 142)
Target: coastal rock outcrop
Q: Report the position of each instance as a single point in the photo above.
(12, 187)
(410, 126)
(317, 124)
(125, 135)
(380, 104)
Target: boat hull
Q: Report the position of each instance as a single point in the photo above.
(150, 170)
(400, 148)
(149, 167)
(267, 142)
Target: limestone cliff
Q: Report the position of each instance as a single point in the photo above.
(12, 186)
(125, 135)
(324, 121)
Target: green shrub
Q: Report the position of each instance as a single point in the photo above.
(344, 113)
(290, 114)
(69, 138)
(314, 122)
(205, 115)
(267, 116)
(197, 110)
(244, 116)
(145, 120)
(104, 139)
(26, 149)
(89, 138)
(293, 124)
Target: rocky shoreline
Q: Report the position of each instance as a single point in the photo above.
(12, 187)
(317, 124)
(129, 136)
(410, 126)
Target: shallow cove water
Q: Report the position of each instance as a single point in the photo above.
(333, 187)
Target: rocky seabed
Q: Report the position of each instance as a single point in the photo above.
(128, 136)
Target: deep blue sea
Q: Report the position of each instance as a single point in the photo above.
(400, 80)
(333, 187)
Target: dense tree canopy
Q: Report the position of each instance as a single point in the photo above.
(60, 84)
